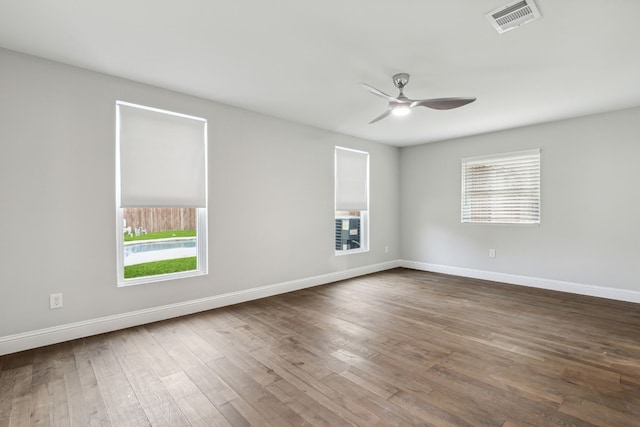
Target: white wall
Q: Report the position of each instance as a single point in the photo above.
(589, 233)
(270, 199)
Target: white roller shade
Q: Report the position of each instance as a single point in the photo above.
(502, 189)
(352, 180)
(162, 158)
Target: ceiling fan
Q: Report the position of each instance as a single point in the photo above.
(401, 105)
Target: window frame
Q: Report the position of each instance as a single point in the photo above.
(497, 165)
(201, 213)
(364, 213)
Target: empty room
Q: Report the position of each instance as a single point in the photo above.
(286, 213)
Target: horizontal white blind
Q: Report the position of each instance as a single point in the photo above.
(162, 158)
(502, 189)
(351, 179)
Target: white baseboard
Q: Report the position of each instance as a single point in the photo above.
(534, 282)
(70, 331)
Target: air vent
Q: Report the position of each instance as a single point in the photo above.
(513, 14)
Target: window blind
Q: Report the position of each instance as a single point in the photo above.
(162, 158)
(351, 179)
(502, 188)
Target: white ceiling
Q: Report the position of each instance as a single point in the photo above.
(303, 60)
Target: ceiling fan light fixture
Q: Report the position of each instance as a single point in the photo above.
(401, 110)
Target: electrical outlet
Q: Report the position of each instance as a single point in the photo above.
(55, 301)
(386, 249)
(492, 253)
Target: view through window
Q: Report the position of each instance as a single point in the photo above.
(159, 241)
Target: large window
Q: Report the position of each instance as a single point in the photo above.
(503, 189)
(161, 194)
(351, 201)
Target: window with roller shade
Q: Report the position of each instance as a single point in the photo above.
(502, 189)
(161, 180)
(351, 201)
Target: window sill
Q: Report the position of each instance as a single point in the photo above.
(350, 251)
(159, 278)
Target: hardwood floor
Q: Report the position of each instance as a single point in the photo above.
(398, 348)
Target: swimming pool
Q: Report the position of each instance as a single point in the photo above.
(138, 252)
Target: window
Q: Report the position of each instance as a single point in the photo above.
(161, 194)
(351, 201)
(503, 189)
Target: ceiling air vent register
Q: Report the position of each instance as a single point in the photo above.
(513, 15)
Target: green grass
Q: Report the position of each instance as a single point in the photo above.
(160, 267)
(161, 235)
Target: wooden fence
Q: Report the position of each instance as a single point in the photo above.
(160, 219)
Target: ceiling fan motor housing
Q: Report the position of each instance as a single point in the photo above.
(400, 80)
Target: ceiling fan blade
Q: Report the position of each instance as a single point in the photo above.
(376, 92)
(442, 103)
(381, 116)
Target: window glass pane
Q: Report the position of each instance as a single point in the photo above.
(348, 230)
(159, 241)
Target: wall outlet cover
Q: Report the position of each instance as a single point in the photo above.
(55, 301)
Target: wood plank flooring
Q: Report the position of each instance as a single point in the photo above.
(397, 348)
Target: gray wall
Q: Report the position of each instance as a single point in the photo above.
(271, 200)
(270, 197)
(589, 231)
